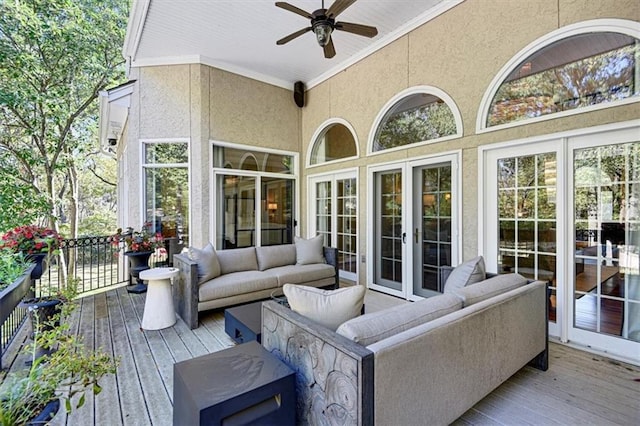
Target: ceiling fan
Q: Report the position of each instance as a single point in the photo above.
(323, 23)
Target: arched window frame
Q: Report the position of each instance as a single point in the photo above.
(621, 26)
(429, 90)
(323, 128)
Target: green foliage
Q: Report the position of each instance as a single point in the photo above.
(431, 121)
(55, 57)
(12, 266)
(19, 203)
(71, 369)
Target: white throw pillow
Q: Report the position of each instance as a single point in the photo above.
(329, 308)
(208, 263)
(309, 251)
(469, 272)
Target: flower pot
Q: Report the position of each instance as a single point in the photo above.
(41, 311)
(38, 259)
(48, 412)
(138, 262)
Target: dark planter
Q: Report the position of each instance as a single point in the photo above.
(41, 312)
(138, 262)
(49, 411)
(38, 259)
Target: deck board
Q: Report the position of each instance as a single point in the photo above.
(579, 388)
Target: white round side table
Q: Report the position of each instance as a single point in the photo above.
(158, 308)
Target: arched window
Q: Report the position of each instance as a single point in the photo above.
(581, 66)
(417, 115)
(334, 140)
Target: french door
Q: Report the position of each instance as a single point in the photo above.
(566, 211)
(413, 222)
(334, 213)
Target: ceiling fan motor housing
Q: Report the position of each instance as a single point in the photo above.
(322, 26)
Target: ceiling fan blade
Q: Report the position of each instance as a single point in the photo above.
(329, 49)
(359, 29)
(338, 7)
(291, 36)
(292, 8)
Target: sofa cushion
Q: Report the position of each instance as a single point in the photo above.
(373, 327)
(329, 308)
(309, 251)
(489, 288)
(274, 256)
(237, 260)
(236, 283)
(207, 260)
(469, 272)
(300, 274)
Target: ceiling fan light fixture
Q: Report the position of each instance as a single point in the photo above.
(323, 30)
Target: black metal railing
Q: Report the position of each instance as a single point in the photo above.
(96, 262)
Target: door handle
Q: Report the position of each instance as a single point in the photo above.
(417, 235)
(404, 237)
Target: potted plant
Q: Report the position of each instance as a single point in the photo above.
(69, 371)
(139, 246)
(35, 242)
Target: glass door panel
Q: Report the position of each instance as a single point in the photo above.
(334, 214)
(432, 227)
(346, 205)
(237, 226)
(388, 234)
(606, 290)
(323, 211)
(277, 213)
(527, 218)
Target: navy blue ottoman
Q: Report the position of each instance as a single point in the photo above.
(241, 385)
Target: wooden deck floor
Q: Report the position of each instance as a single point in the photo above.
(579, 388)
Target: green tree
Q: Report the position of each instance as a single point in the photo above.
(55, 57)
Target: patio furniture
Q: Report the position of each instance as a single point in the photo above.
(244, 384)
(430, 360)
(159, 312)
(244, 323)
(246, 275)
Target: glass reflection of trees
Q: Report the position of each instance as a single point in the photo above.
(557, 78)
(167, 188)
(416, 118)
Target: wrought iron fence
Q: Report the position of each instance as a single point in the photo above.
(95, 261)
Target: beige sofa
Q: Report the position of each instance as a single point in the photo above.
(423, 363)
(245, 275)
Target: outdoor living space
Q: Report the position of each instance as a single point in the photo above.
(578, 388)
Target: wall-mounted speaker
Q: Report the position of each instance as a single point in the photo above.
(298, 93)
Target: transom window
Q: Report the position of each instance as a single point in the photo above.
(335, 141)
(418, 115)
(588, 65)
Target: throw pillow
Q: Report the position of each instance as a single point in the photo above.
(329, 308)
(469, 272)
(207, 260)
(309, 251)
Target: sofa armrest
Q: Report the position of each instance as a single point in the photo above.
(331, 256)
(185, 290)
(334, 376)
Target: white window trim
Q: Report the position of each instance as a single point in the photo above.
(622, 26)
(144, 165)
(430, 90)
(456, 214)
(322, 128)
(215, 171)
(351, 173)
(558, 331)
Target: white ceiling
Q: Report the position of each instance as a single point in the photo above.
(240, 35)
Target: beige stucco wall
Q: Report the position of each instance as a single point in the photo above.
(459, 52)
(200, 104)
